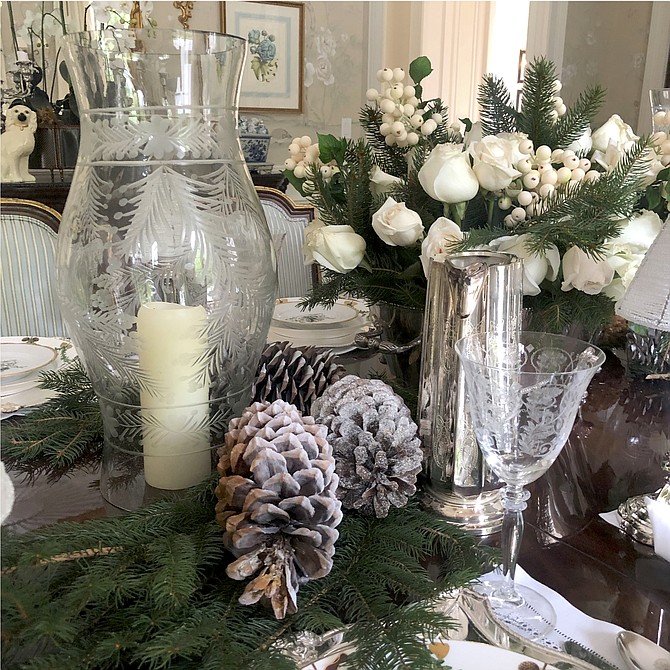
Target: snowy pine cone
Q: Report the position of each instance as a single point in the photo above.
(377, 453)
(296, 375)
(277, 503)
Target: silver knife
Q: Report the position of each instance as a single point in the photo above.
(578, 650)
(493, 631)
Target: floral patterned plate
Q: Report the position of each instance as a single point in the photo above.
(20, 359)
(287, 314)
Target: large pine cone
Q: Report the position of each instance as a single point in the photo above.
(377, 453)
(296, 375)
(277, 503)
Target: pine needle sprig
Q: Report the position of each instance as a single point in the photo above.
(159, 598)
(390, 159)
(577, 119)
(63, 434)
(588, 213)
(537, 102)
(557, 311)
(496, 110)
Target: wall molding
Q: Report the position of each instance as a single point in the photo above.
(546, 32)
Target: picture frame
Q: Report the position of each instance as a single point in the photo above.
(272, 79)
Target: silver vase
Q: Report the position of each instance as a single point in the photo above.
(470, 292)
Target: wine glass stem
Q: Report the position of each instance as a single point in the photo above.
(514, 502)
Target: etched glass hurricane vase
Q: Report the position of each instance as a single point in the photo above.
(523, 400)
(166, 270)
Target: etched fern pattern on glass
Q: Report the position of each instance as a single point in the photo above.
(523, 399)
(162, 211)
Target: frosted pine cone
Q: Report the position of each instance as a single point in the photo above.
(377, 453)
(295, 375)
(277, 503)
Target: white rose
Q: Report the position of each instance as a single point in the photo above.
(381, 182)
(585, 273)
(583, 143)
(615, 289)
(494, 160)
(441, 235)
(514, 139)
(536, 268)
(625, 268)
(609, 158)
(337, 248)
(397, 225)
(447, 176)
(637, 234)
(614, 131)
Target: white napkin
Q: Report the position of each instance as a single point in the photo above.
(598, 636)
(659, 515)
(612, 518)
(6, 493)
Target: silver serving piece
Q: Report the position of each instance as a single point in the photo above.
(634, 514)
(470, 292)
(20, 85)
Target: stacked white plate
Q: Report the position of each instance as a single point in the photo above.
(21, 363)
(334, 327)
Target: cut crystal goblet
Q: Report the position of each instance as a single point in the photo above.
(523, 395)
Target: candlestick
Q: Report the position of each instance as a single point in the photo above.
(174, 394)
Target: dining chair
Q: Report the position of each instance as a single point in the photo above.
(287, 221)
(28, 301)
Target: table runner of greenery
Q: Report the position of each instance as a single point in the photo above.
(149, 589)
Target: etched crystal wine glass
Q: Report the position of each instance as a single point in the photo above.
(523, 399)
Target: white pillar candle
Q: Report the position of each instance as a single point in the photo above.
(174, 394)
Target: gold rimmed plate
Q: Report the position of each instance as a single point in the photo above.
(19, 360)
(287, 314)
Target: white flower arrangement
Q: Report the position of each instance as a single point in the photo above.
(570, 206)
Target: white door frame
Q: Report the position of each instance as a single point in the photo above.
(546, 31)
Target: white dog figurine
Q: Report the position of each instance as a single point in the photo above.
(17, 143)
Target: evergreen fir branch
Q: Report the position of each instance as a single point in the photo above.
(496, 110)
(63, 434)
(537, 102)
(390, 159)
(556, 311)
(75, 613)
(587, 213)
(577, 119)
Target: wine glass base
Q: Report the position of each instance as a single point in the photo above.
(530, 615)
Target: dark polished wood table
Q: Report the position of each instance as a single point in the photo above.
(615, 451)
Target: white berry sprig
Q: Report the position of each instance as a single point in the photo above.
(542, 172)
(404, 120)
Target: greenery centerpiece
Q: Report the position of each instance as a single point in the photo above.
(536, 182)
(162, 587)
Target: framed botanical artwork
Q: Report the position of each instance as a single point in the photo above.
(272, 77)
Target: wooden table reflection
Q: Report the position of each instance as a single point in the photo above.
(615, 451)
